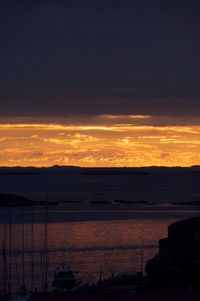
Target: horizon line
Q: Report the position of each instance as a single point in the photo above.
(77, 166)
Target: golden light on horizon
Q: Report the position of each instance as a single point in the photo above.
(109, 116)
(124, 144)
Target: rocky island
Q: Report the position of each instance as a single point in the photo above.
(176, 268)
(14, 200)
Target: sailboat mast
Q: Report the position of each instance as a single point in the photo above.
(142, 256)
(4, 240)
(46, 244)
(32, 250)
(23, 250)
(10, 252)
(5, 268)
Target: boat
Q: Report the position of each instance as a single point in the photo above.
(129, 282)
(64, 280)
(4, 296)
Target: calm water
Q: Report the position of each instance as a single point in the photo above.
(87, 239)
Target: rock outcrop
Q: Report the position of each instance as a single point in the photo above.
(177, 265)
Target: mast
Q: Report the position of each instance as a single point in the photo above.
(100, 274)
(5, 284)
(142, 255)
(32, 249)
(5, 269)
(46, 245)
(23, 256)
(10, 250)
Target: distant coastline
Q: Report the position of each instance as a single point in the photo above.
(134, 186)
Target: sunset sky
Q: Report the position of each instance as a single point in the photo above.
(113, 83)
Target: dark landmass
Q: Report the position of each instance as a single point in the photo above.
(7, 199)
(153, 184)
(62, 202)
(101, 202)
(113, 172)
(25, 173)
(134, 202)
(124, 202)
(115, 202)
(62, 166)
(191, 203)
(14, 200)
(176, 268)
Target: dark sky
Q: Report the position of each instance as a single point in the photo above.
(115, 57)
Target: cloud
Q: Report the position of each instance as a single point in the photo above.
(143, 65)
(37, 155)
(102, 145)
(164, 155)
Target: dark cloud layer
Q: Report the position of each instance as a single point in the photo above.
(62, 58)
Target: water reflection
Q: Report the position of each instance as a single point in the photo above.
(86, 246)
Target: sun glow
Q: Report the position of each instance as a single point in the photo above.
(124, 144)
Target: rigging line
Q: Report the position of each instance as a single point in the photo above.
(142, 255)
(46, 244)
(5, 271)
(6, 276)
(10, 253)
(15, 259)
(32, 249)
(23, 255)
(2, 259)
(42, 268)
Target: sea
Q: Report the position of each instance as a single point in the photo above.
(101, 221)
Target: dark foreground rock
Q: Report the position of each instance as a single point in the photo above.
(177, 265)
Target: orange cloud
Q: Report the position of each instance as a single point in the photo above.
(98, 145)
(108, 116)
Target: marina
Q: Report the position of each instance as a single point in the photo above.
(34, 245)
